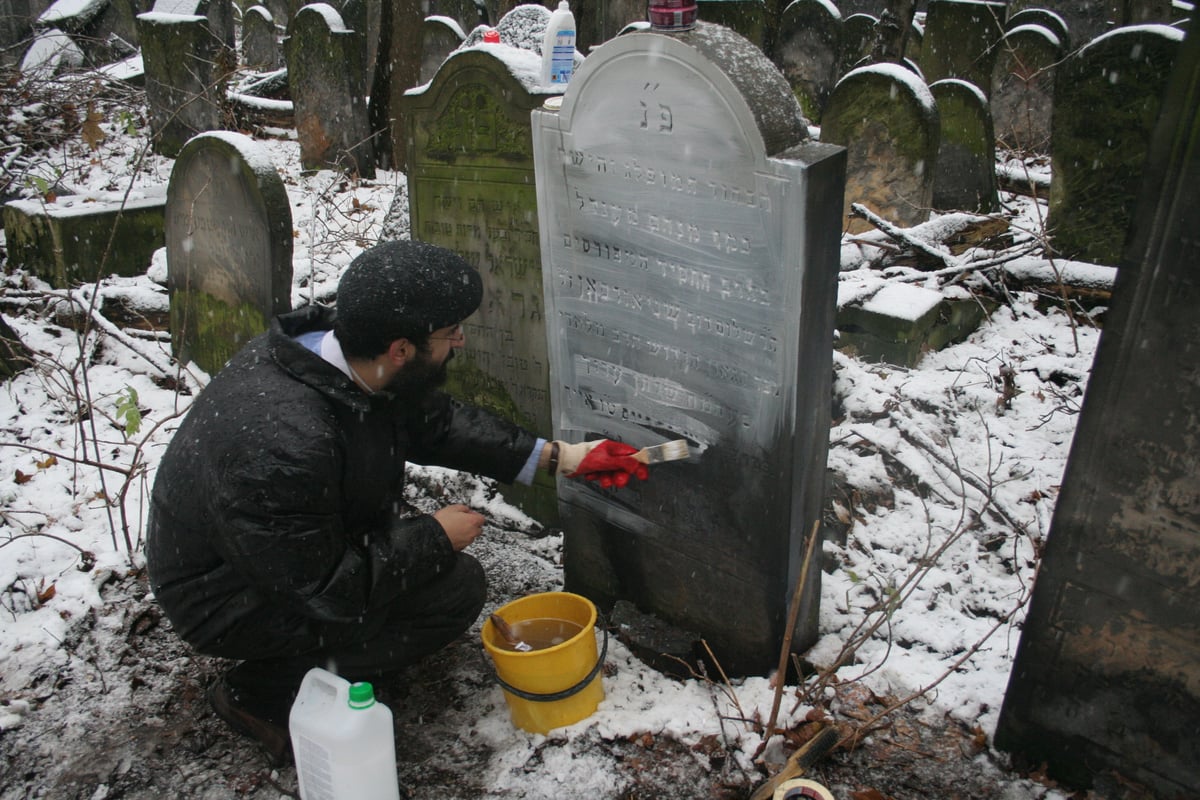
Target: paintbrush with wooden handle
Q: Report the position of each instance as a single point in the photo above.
(676, 450)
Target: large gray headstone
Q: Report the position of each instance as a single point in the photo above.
(329, 93)
(229, 247)
(965, 176)
(1022, 98)
(471, 189)
(887, 118)
(1107, 97)
(1106, 681)
(690, 233)
(809, 51)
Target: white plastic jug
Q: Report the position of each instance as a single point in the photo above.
(558, 47)
(343, 740)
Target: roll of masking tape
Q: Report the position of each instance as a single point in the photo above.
(798, 788)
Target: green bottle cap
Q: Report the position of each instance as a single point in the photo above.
(362, 695)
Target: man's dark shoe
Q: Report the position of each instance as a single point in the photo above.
(270, 734)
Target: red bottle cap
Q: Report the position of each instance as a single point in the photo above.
(491, 36)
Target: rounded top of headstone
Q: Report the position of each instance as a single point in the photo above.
(404, 289)
(768, 97)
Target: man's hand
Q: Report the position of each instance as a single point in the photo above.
(461, 524)
(604, 461)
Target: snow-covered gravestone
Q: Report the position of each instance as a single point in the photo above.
(471, 189)
(809, 50)
(689, 232)
(440, 36)
(964, 178)
(1022, 97)
(260, 40)
(1106, 99)
(328, 87)
(186, 64)
(887, 118)
(229, 247)
(858, 36)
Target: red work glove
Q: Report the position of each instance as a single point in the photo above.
(607, 462)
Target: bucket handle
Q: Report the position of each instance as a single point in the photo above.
(565, 693)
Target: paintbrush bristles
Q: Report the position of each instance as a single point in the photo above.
(667, 451)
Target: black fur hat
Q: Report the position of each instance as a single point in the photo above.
(402, 290)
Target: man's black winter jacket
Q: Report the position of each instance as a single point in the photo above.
(276, 506)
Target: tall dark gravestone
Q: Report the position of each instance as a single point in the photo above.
(1107, 675)
(690, 234)
(471, 189)
(229, 247)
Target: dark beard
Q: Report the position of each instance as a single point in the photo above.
(418, 377)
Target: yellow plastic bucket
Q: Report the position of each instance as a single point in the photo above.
(557, 685)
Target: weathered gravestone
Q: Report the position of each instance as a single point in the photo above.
(187, 66)
(52, 52)
(888, 120)
(1106, 99)
(229, 247)
(1106, 680)
(960, 39)
(858, 37)
(440, 36)
(747, 17)
(808, 51)
(327, 82)
(1048, 19)
(467, 14)
(281, 13)
(105, 30)
(1022, 97)
(965, 176)
(260, 40)
(471, 189)
(689, 232)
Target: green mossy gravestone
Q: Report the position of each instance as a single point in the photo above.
(1107, 97)
(229, 247)
(69, 241)
(960, 39)
(887, 119)
(1022, 98)
(965, 176)
(809, 51)
(187, 68)
(471, 189)
(901, 323)
(689, 231)
(329, 93)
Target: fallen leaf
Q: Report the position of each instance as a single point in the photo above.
(49, 462)
(92, 133)
(21, 477)
(46, 593)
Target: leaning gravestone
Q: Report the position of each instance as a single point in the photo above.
(808, 51)
(1107, 97)
(327, 82)
(187, 67)
(960, 39)
(965, 176)
(471, 189)
(1023, 87)
(440, 36)
(1106, 681)
(260, 40)
(887, 118)
(229, 247)
(689, 232)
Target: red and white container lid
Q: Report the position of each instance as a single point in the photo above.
(672, 15)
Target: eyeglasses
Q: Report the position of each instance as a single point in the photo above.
(456, 335)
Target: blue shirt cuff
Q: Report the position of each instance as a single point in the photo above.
(527, 472)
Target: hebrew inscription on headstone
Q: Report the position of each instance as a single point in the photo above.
(689, 232)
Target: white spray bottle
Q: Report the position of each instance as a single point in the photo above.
(558, 48)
